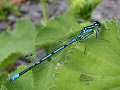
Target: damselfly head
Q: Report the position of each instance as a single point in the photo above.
(97, 23)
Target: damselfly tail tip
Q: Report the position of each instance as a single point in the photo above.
(14, 77)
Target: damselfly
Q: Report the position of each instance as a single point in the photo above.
(85, 33)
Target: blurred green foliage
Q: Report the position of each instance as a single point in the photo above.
(83, 8)
(6, 8)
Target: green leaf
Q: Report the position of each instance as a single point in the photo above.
(61, 27)
(89, 65)
(44, 76)
(20, 41)
(96, 60)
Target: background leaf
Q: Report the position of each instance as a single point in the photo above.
(89, 65)
(62, 26)
(17, 42)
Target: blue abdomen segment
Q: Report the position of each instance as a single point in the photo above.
(88, 30)
(15, 77)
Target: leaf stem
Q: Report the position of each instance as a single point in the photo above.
(44, 9)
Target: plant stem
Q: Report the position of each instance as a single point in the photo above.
(44, 9)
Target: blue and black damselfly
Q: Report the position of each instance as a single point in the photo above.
(85, 33)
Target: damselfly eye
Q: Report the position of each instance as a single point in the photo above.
(96, 23)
